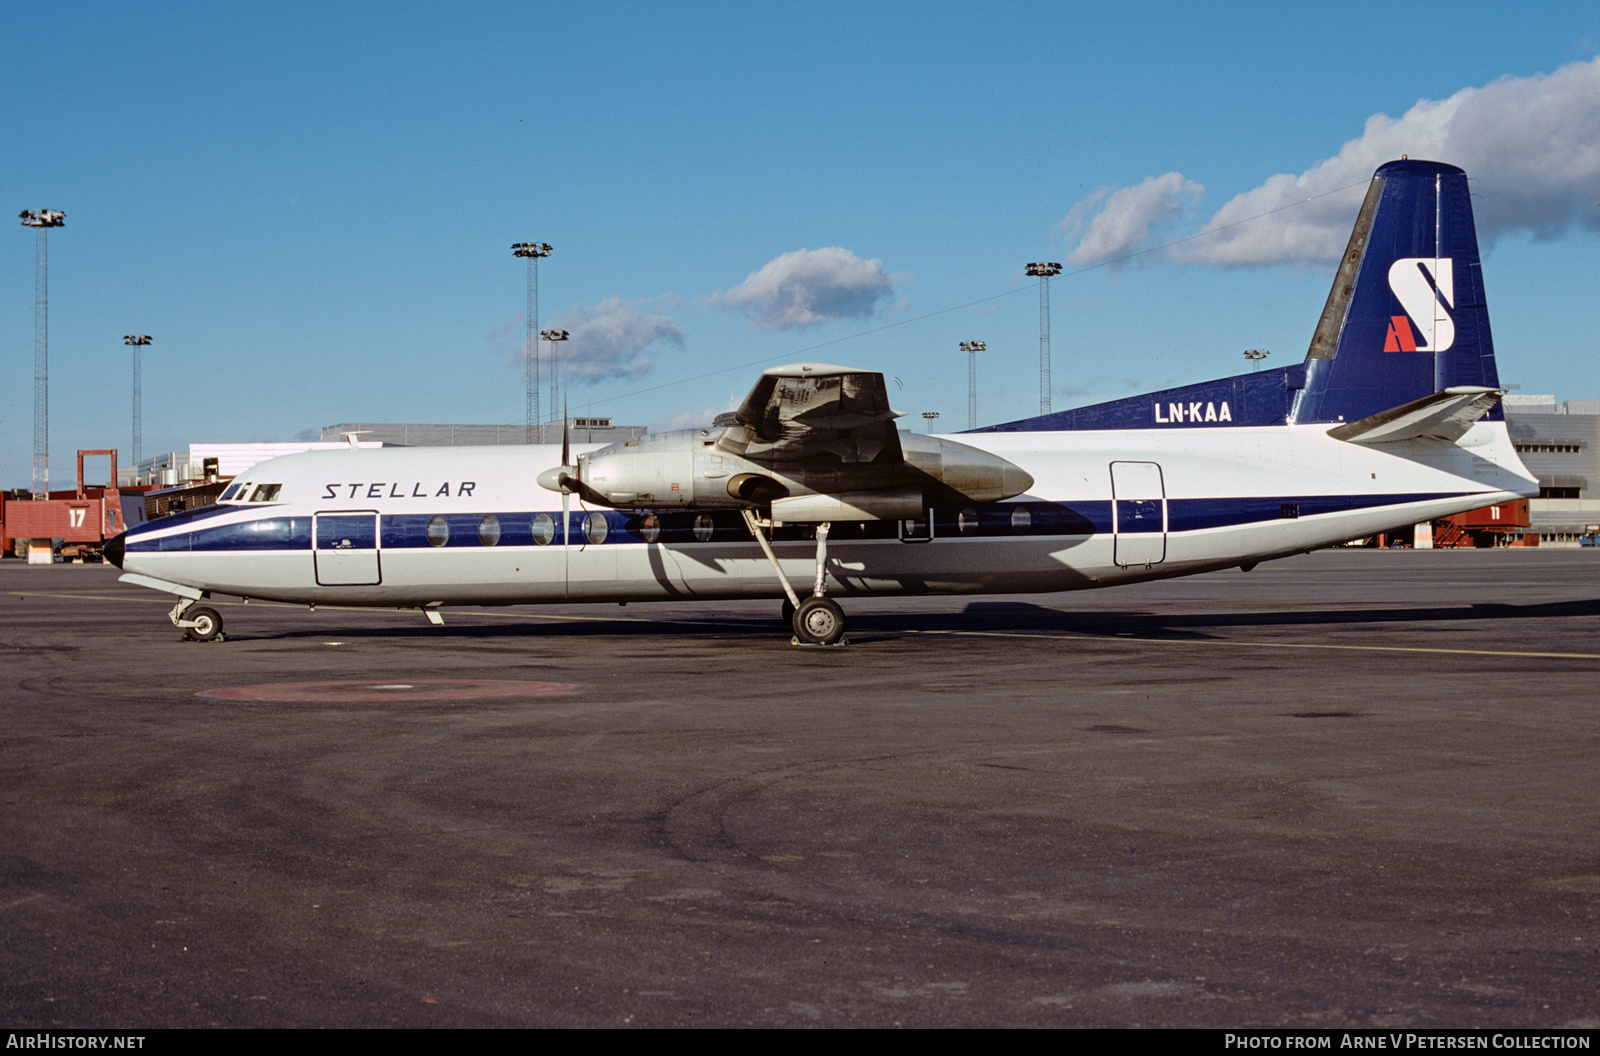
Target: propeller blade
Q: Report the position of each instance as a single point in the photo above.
(566, 530)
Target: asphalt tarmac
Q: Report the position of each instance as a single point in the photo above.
(1345, 789)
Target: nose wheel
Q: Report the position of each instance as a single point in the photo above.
(199, 623)
(207, 625)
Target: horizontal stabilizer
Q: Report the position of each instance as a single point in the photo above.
(1443, 416)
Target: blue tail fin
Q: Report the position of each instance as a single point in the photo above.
(1406, 318)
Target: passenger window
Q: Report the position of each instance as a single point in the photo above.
(594, 527)
(703, 527)
(1021, 519)
(438, 531)
(544, 529)
(489, 530)
(967, 521)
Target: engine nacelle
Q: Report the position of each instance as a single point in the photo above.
(648, 471)
(690, 468)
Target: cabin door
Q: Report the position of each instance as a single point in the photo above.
(1138, 514)
(346, 549)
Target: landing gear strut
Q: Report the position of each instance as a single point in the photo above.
(818, 620)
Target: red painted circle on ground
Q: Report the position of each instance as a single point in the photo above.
(388, 689)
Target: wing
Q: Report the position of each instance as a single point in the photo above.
(805, 410)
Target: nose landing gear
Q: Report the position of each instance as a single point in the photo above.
(207, 625)
(198, 623)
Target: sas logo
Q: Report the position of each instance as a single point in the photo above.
(1424, 295)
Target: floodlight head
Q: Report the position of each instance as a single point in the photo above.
(1044, 269)
(531, 249)
(973, 346)
(136, 339)
(554, 335)
(42, 217)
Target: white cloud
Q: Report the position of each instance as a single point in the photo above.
(1125, 218)
(612, 339)
(1531, 146)
(810, 286)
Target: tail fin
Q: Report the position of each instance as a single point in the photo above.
(1405, 320)
(1406, 317)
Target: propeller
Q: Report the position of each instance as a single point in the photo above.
(563, 478)
(567, 478)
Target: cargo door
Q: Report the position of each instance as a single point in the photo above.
(346, 550)
(1138, 514)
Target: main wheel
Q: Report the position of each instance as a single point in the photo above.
(207, 625)
(819, 621)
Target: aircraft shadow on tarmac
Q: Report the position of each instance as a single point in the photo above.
(1021, 615)
(979, 616)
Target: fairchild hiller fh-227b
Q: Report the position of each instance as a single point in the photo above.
(1391, 419)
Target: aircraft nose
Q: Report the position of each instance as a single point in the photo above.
(115, 547)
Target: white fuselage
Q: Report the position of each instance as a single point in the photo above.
(363, 526)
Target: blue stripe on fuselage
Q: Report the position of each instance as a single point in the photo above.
(680, 528)
(265, 533)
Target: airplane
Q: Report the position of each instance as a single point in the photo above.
(1391, 420)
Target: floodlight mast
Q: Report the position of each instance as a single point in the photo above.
(972, 348)
(1255, 356)
(41, 220)
(530, 348)
(553, 336)
(136, 342)
(1044, 269)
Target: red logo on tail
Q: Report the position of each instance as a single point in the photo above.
(1400, 338)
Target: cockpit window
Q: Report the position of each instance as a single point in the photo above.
(266, 493)
(227, 492)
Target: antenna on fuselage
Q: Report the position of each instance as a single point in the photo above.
(350, 437)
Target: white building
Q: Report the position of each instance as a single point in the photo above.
(1560, 445)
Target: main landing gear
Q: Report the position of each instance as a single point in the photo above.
(817, 620)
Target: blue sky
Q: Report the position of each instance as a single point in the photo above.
(310, 207)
